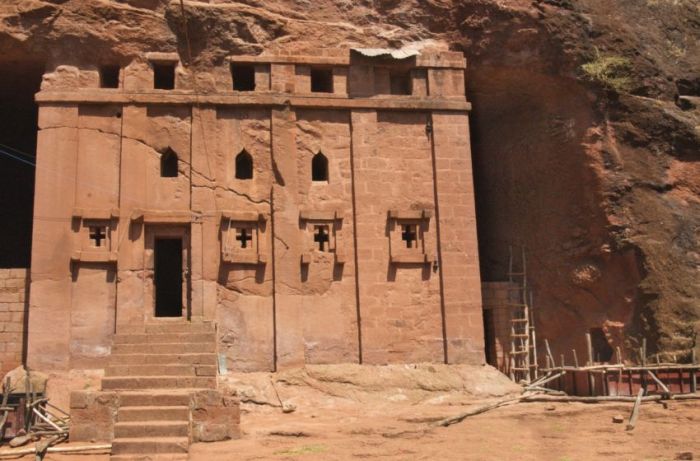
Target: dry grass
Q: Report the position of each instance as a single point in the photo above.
(613, 72)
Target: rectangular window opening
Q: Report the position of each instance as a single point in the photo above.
(243, 76)
(109, 77)
(322, 80)
(400, 83)
(164, 76)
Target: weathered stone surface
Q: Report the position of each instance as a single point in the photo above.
(13, 304)
(215, 416)
(93, 414)
(323, 275)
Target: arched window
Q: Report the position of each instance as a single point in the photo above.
(319, 168)
(244, 165)
(168, 164)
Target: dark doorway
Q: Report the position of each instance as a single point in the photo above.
(168, 277)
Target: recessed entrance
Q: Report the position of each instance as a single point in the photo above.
(168, 277)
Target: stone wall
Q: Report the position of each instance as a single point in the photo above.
(13, 296)
(397, 281)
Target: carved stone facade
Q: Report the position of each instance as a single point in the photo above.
(318, 209)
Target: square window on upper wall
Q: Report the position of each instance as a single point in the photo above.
(164, 75)
(243, 76)
(400, 83)
(322, 80)
(109, 76)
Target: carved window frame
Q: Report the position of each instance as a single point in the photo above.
(231, 223)
(398, 253)
(308, 220)
(82, 222)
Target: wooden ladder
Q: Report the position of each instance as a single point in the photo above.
(523, 340)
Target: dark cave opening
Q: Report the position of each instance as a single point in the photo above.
(19, 82)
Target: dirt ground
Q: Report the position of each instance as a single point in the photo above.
(346, 412)
(531, 431)
(385, 413)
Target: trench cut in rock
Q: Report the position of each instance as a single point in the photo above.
(154, 375)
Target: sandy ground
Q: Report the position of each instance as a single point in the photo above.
(532, 431)
(385, 413)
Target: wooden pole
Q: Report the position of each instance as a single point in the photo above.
(635, 410)
(693, 374)
(619, 372)
(605, 398)
(545, 381)
(644, 351)
(549, 352)
(78, 449)
(27, 411)
(5, 413)
(575, 358)
(659, 382)
(589, 346)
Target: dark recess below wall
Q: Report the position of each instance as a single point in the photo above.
(19, 81)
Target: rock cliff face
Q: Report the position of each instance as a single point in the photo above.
(585, 127)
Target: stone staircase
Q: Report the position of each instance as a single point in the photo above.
(155, 374)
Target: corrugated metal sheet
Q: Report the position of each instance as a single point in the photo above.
(387, 52)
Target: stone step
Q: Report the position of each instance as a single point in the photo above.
(158, 382)
(160, 370)
(155, 446)
(160, 338)
(179, 326)
(150, 413)
(194, 358)
(166, 348)
(147, 429)
(165, 398)
(151, 457)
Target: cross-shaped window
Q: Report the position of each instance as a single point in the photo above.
(409, 235)
(97, 235)
(244, 236)
(321, 237)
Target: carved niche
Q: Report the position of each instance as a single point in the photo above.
(407, 236)
(242, 237)
(93, 235)
(324, 234)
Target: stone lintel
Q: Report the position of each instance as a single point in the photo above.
(156, 56)
(174, 97)
(410, 214)
(315, 215)
(94, 256)
(409, 258)
(243, 216)
(252, 258)
(162, 217)
(102, 214)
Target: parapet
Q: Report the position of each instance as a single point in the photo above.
(323, 79)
